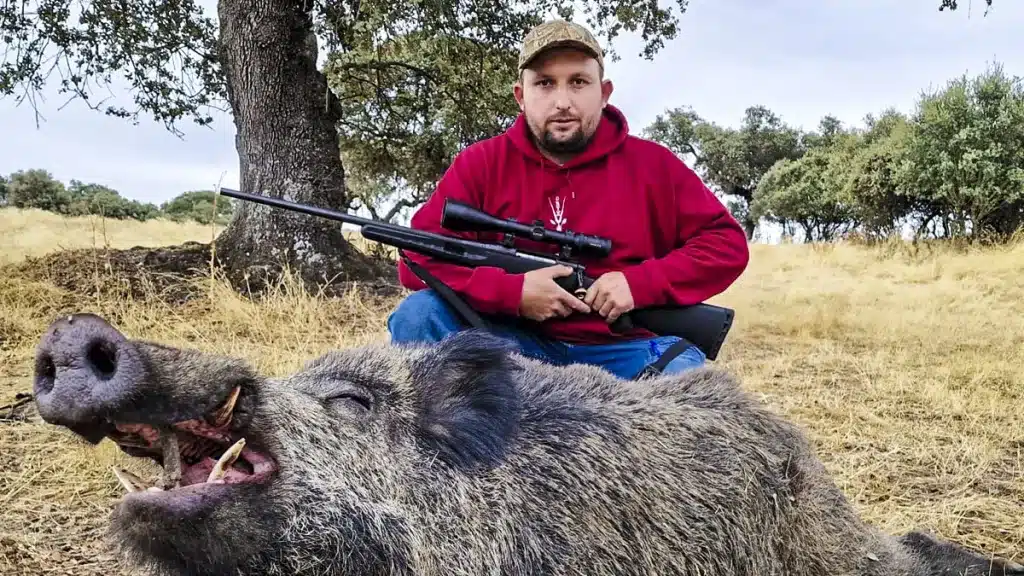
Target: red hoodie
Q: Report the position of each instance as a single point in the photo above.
(674, 241)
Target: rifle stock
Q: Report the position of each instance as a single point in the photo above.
(704, 325)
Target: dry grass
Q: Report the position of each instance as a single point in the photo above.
(34, 232)
(904, 366)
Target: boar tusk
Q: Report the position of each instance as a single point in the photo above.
(226, 460)
(222, 416)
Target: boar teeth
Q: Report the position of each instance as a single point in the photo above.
(226, 460)
(131, 482)
(171, 475)
(223, 414)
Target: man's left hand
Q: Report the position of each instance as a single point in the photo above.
(610, 296)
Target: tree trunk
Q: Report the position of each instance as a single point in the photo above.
(749, 226)
(743, 215)
(288, 147)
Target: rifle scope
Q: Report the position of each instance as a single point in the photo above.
(459, 216)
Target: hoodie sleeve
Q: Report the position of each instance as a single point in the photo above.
(712, 250)
(487, 290)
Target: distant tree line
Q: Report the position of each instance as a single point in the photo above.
(952, 168)
(39, 189)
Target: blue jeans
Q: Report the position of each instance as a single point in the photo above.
(424, 317)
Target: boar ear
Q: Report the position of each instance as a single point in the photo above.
(468, 405)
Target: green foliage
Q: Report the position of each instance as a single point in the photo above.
(954, 168)
(733, 160)
(38, 189)
(99, 200)
(966, 158)
(954, 4)
(419, 81)
(809, 191)
(410, 106)
(164, 50)
(873, 185)
(198, 205)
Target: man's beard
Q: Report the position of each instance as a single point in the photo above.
(573, 145)
(576, 143)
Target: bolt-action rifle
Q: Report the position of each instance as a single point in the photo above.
(704, 325)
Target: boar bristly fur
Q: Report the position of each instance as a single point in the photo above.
(466, 458)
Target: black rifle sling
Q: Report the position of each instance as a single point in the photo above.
(467, 314)
(656, 367)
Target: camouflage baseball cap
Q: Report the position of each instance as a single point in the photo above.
(555, 33)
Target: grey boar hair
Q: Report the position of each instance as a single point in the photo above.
(466, 458)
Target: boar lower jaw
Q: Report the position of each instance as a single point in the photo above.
(170, 481)
(194, 457)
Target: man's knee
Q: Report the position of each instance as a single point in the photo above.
(422, 316)
(691, 357)
(688, 358)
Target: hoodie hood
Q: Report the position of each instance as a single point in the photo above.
(612, 131)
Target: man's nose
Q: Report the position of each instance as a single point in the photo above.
(562, 99)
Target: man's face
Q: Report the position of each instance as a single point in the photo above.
(561, 95)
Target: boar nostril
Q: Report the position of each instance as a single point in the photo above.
(46, 372)
(102, 358)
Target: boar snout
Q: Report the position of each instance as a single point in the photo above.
(85, 371)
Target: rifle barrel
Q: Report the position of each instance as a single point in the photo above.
(296, 207)
(371, 229)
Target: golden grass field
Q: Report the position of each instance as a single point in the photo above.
(903, 364)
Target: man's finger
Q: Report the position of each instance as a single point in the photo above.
(600, 300)
(577, 304)
(561, 309)
(581, 306)
(559, 271)
(594, 292)
(608, 306)
(574, 303)
(591, 294)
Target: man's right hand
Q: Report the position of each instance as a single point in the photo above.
(543, 298)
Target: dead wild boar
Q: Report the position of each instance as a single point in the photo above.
(462, 458)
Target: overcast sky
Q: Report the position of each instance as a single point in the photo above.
(803, 59)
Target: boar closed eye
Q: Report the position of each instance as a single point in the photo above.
(350, 398)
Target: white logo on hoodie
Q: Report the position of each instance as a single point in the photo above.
(557, 213)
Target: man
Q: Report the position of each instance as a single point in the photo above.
(570, 162)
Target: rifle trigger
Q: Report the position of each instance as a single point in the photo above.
(580, 291)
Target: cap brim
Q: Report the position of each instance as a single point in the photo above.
(582, 46)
